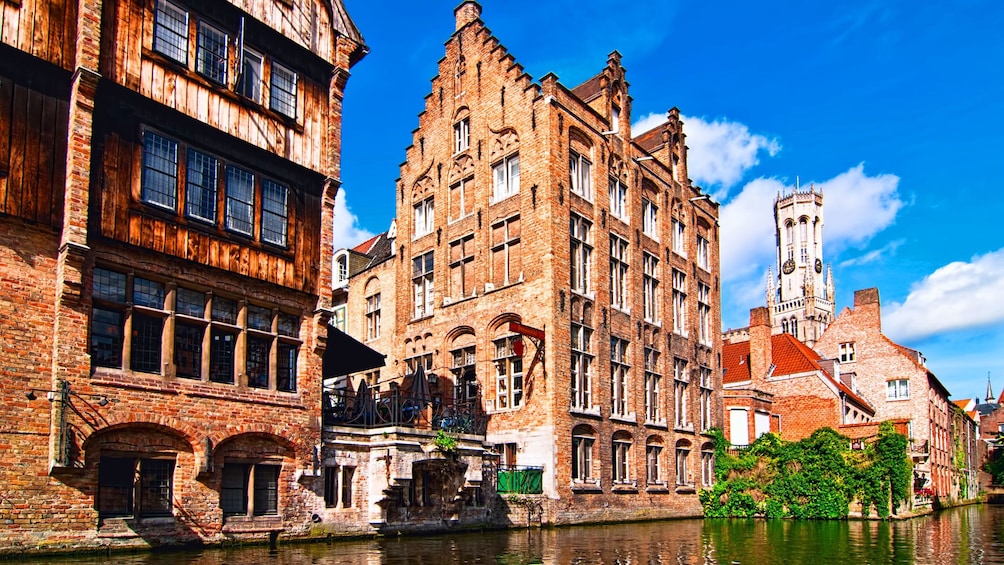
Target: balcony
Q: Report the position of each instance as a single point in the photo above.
(397, 408)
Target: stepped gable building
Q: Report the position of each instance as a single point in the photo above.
(775, 383)
(563, 273)
(895, 380)
(168, 172)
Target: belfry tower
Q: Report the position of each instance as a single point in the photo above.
(800, 297)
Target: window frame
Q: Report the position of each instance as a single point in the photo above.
(509, 383)
(283, 99)
(509, 248)
(423, 284)
(618, 192)
(653, 384)
(704, 330)
(580, 235)
(139, 485)
(424, 218)
(650, 218)
(679, 302)
(580, 170)
(217, 72)
(172, 50)
(681, 395)
(462, 271)
(898, 389)
(581, 367)
(461, 135)
(505, 175)
(650, 287)
(619, 254)
(373, 316)
(620, 372)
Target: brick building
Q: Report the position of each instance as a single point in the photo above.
(775, 383)
(895, 381)
(166, 194)
(563, 273)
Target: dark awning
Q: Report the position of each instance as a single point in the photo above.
(344, 355)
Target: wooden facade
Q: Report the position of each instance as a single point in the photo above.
(168, 171)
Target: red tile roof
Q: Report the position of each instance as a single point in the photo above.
(367, 245)
(789, 357)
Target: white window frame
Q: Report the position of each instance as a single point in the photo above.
(506, 177)
(679, 302)
(508, 374)
(580, 171)
(897, 389)
(704, 331)
(423, 270)
(621, 461)
(653, 385)
(373, 316)
(618, 272)
(649, 219)
(703, 254)
(582, 452)
(679, 238)
(462, 135)
(681, 394)
(619, 377)
(425, 217)
(618, 199)
(653, 471)
(582, 360)
(650, 287)
(580, 233)
(847, 352)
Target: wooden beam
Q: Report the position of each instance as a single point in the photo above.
(526, 330)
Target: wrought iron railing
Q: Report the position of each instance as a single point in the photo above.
(366, 409)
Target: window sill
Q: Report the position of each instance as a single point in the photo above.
(496, 199)
(594, 411)
(490, 287)
(447, 301)
(657, 488)
(587, 488)
(689, 428)
(686, 489)
(653, 322)
(420, 318)
(629, 418)
(621, 309)
(662, 424)
(581, 294)
(624, 488)
(897, 399)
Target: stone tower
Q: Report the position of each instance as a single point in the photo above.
(800, 297)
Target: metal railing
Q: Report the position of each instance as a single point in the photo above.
(517, 479)
(343, 407)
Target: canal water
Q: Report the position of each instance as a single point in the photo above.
(971, 534)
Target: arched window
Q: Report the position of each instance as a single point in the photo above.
(683, 477)
(621, 457)
(583, 443)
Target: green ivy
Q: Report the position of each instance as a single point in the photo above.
(815, 478)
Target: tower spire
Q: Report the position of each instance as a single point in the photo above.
(990, 393)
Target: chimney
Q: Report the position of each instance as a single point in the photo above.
(867, 309)
(760, 351)
(467, 13)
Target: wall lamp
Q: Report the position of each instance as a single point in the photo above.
(64, 395)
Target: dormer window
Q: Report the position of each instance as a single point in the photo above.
(341, 270)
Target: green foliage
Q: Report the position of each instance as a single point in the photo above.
(815, 478)
(995, 467)
(445, 442)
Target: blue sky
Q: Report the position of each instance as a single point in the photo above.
(894, 108)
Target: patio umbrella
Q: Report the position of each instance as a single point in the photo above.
(365, 405)
(420, 391)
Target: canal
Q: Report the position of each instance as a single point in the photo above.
(971, 534)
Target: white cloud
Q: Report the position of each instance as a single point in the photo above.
(857, 206)
(347, 232)
(720, 152)
(873, 255)
(747, 245)
(955, 297)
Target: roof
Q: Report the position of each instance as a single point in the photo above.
(367, 245)
(914, 356)
(589, 89)
(343, 24)
(652, 138)
(789, 356)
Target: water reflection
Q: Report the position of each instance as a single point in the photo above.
(973, 534)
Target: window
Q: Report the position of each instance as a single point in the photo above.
(618, 199)
(347, 475)
(681, 382)
(250, 80)
(653, 453)
(461, 198)
(140, 487)
(619, 368)
(211, 53)
(679, 235)
(507, 262)
(582, 456)
(341, 270)
(804, 255)
(170, 31)
(508, 374)
(422, 283)
(201, 177)
(706, 391)
(373, 316)
(679, 302)
(847, 352)
(339, 317)
(273, 212)
(195, 313)
(618, 271)
(708, 466)
(682, 469)
(897, 389)
(704, 330)
(703, 256)
(462, 267)
(506, 175)
(582, 361)
(620, 460)
(425, 219)
(650, 287)
(580, 170)
(159, 187)
(160, 171)
(282, 95)
(461, 135)
(615, 119)
(649, 219)
(250, 489)
(581, 252)
(333, 475)
(464, 373)
(653, 382)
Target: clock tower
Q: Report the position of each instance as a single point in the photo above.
(800, 297)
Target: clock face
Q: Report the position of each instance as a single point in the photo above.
(819, 265)
(788, 267)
